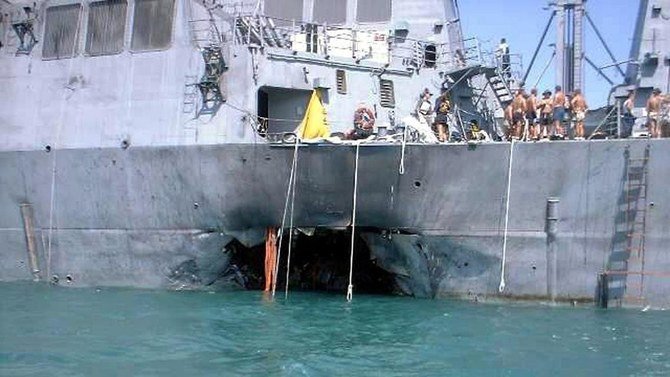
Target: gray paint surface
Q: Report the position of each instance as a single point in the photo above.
(170, 204)
(126, 217)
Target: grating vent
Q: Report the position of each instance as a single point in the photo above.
(341, 80)
(386, 93)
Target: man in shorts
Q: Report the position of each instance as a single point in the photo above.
(559, 111)
(424, 107)
(531, 114)
(546, 109)
(579, 107)
(654, 113)
(442, 110)
(509, 115)
(628, 116)
(518, 114)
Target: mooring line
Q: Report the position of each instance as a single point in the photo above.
(283, 219)
(290, 227)
(501, 287)
(401, 168)
(56, 145)
(350, 288)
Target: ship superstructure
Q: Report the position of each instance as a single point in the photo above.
(161, 72)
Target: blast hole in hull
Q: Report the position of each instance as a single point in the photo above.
(319, 262)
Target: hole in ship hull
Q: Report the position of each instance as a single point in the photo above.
(319, 262)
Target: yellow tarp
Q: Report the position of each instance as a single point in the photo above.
(314, 125)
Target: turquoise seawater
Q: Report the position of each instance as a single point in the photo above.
(51, 331)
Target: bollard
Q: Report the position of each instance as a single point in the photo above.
(551, 228)
(603, 290)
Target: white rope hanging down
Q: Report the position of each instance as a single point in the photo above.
(56, 145)
(401, 168)
(283, 218)
(350, 288)
(290, 226)
(501, 287)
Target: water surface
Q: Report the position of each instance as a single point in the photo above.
(52, 331)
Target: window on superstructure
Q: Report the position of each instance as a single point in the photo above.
(386, 93)
(429, 55)
(341, 81)
(152, 25)
(106, 27)
(285, 12)
(373, 10)
(331, 12)
(655, 11)
(61, 31)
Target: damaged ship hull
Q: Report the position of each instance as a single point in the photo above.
(149, 216)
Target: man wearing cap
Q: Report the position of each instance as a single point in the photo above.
(654, 112)
(424, 108)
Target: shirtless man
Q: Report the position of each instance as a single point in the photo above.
(559, 110)
(628, 117)
(531, 114)
(654, 113)
(546, 108)
(518, 113)
(509, 132)
(664, 126)
(579, 107)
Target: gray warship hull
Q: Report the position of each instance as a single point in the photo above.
(130, 217)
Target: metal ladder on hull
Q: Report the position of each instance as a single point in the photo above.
(626, 273)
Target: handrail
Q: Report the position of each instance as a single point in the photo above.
(250, 28)
(602, 122)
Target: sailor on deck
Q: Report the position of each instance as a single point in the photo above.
(518, 114)
(503, 56)
(579, 107)
(654, 112)
(424, 107)
(559, 105)
(531, 115)
(442, 117)
(546, 108)
(628, 117)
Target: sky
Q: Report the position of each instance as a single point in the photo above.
(521, 22)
